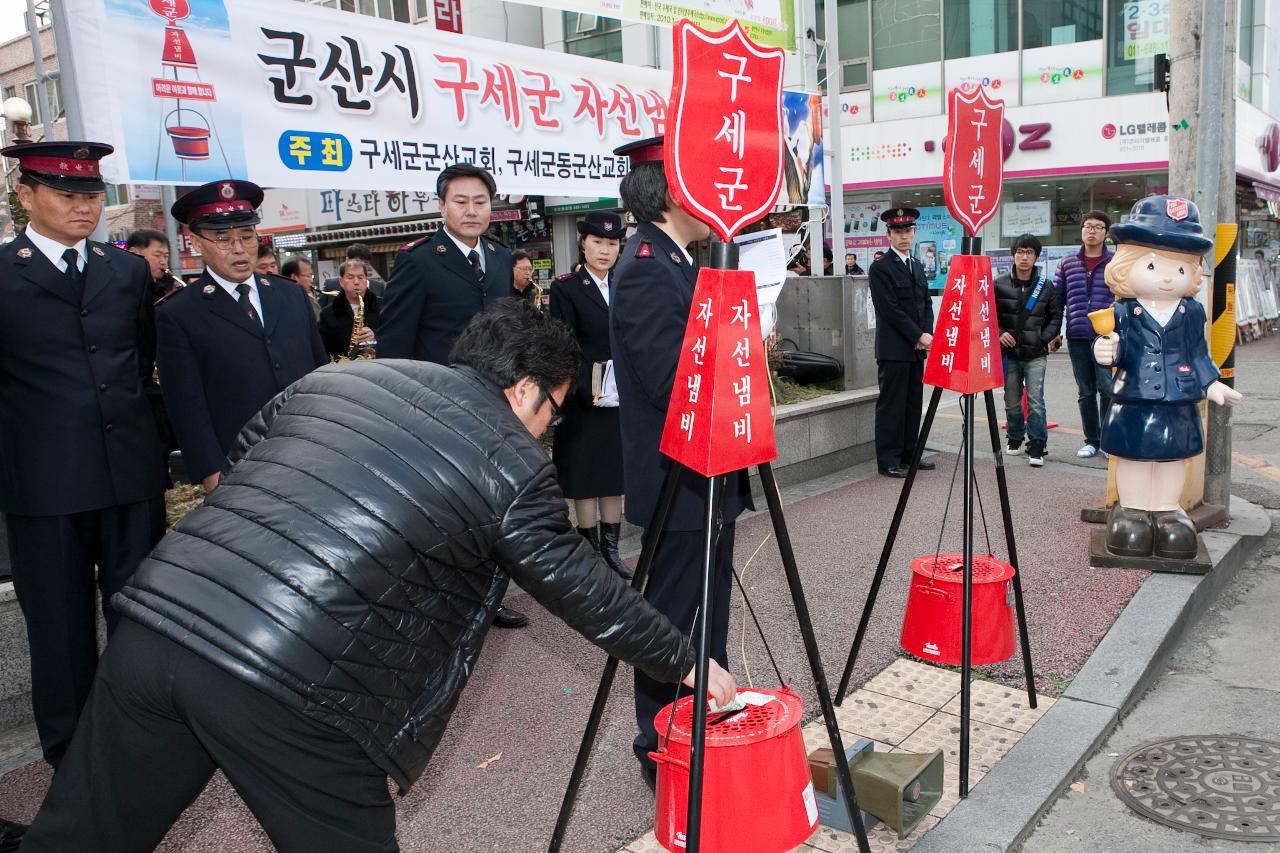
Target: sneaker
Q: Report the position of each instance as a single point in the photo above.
(1036, 457)
(1015, 447)
(1087, 452)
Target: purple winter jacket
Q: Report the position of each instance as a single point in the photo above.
(1082, 293)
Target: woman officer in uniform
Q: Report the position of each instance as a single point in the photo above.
(588, 444)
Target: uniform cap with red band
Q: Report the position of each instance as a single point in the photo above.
(67, 166)
(900, 217)
(220, 205)
(642, 150)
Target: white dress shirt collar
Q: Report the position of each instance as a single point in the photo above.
(53, 250)
(230, 287)
(466, 250)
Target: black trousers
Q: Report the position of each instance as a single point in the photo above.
(162, 719)
(53, 559)
(898, 412)
(673, 589)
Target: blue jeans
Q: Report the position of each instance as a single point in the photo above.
(1093, 386)
(1025, 373)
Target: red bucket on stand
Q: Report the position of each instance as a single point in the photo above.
(189, 143)
(932, 626)
(757, 794)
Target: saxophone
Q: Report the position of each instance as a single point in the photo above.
(354, 349)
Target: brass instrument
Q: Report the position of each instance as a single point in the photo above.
(354, 348)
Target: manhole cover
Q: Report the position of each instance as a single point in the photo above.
(1217, 786)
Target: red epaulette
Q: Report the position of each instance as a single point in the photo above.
(645, 251)
(407, 246)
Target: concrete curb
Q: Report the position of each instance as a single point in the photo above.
(1005, 807)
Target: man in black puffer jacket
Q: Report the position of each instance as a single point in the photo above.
(1029, 310)
(308, 629)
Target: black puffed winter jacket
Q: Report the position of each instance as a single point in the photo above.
(1032, 329)
(351, 561)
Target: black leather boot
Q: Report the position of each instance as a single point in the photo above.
(591, 535)
(11, 835)
(609, 548)
(1129, 532)
(1175, 537)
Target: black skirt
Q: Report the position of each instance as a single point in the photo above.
(1152, 432)
(588, 453)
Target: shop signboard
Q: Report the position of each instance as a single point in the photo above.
(938, 238)
(997, 73)
(1123, 133)
(1063, 72)
(556, 205)
(907, 92)
(1257, 143)
(283, 210)
(1146, 27)
(355, 207)
(855, 107)
(295, 95)
(1026, 217)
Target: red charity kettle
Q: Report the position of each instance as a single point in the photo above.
(757, 794)
(932, 626)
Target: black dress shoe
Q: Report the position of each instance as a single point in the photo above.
(11, 835)
(508, 618)
(609, 534)
(927, 465)
(897, 472)
(1129, 532)
(1175, 535)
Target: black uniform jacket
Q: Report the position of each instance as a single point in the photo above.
(337, 318)
(577, 301)
(218, 366)
(903, 308)
(652, 292)
(351, 561)
(76, 431)
(433, 294)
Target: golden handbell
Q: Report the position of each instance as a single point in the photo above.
(1103, 320)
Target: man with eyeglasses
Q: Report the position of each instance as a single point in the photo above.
(81, 479)
(1079, 280)
(233, 339)
(309, 629)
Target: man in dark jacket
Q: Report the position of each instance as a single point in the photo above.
(1030, 317)
(233, 339)
(652, 293)
(81, 479)
(904, 333)
(1082, 288)
(309, 629)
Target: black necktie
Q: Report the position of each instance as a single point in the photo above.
(474, 257)
(74, 275)
(245, 305)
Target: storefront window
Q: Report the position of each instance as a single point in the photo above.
(855, 40)
(593, 35)
(907, 32)
(1047, 22)
(980, 27)
(1137, 30)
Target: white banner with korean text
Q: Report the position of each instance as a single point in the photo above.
(295, 95)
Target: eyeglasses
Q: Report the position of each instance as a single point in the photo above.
(224, 241)
(556, 417)
(1029, 253)
(1093, 227)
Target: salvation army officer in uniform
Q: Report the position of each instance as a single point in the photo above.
(904, 332)
(232, 339)
(652, 293)
(81, 477)
(588, 444)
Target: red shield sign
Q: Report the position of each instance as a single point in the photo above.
(724, 137)
(1176, 208)
(172, 10)
(973, 173)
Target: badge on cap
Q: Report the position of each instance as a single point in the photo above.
(81, 153)
(900, 212)
(24, 252)
(227, 190)
(1176, 208)
(209, 290)
(608, 225)
(98, 251)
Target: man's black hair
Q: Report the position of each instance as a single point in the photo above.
(293, 266)
(644, 192)
(1098, 215)
(519, 255)
(144, 237)
(465, 170)
(264, 250)
(511, 340)
(359, 250)
(1026, 241)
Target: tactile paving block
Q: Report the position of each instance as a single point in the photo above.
(1001, 705)
(987, 744)
(645, 844)
(916, 682)
(880, 717)
(815, 737)
(882, 839)
(951, 787)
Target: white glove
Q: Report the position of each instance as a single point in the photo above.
(1104, 349)
(1223, 395)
